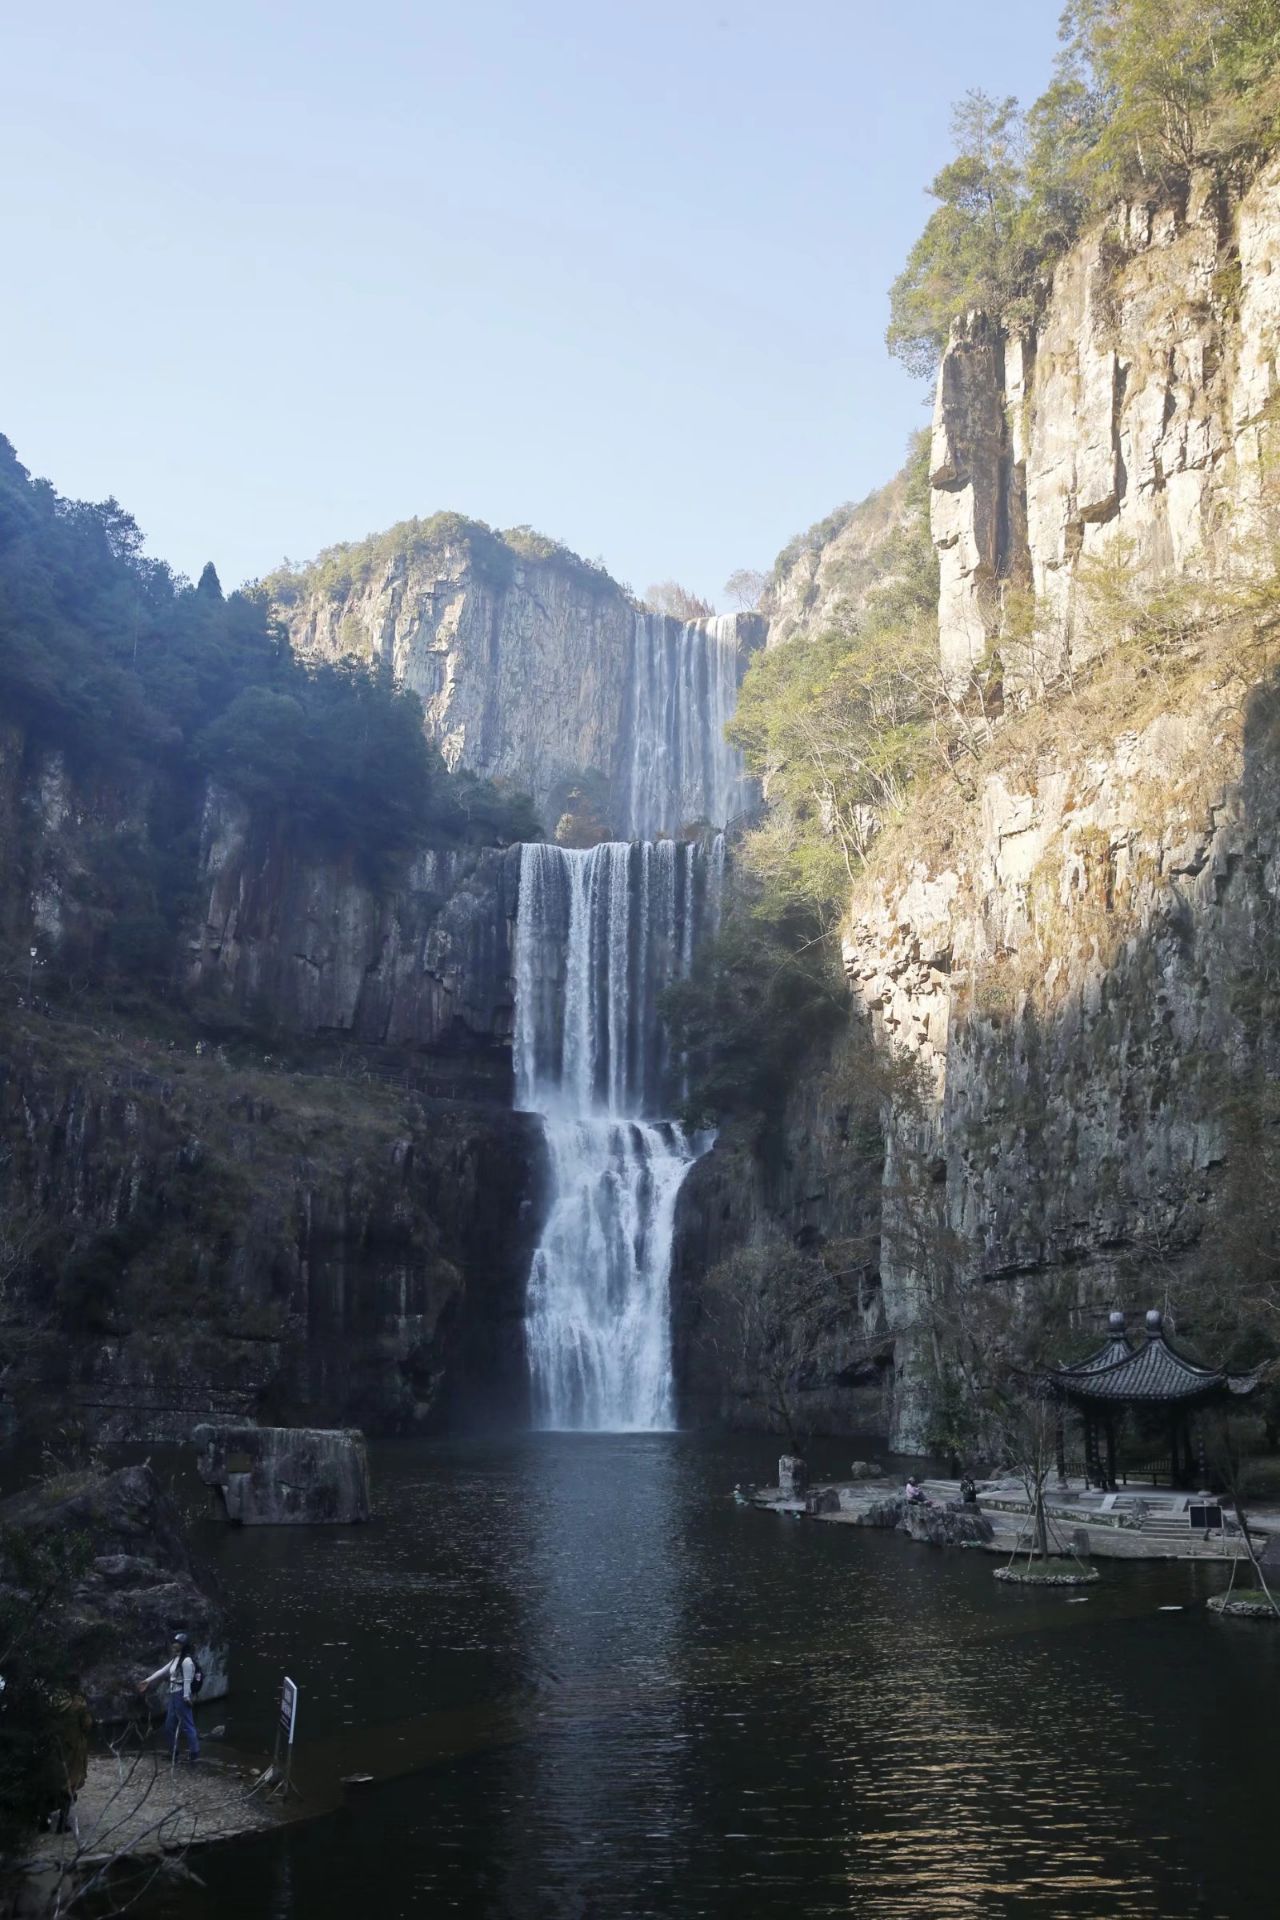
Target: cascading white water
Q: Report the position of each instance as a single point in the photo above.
(598, 935)
(684, 691)
(598, 1319)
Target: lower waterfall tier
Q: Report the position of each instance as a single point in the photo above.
(599, 1321)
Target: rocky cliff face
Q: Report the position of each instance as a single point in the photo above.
(813, 1185)
(267, 932)
(1064, 957)
(1080, 979)
(521, 663)
(1132, 424)
(421, 965)
(1074, 964)
(261, 1225)
(208, 1238)
(821, 580)
(525, 659)
(138, 1580)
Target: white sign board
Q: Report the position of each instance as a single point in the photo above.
(289, 1706)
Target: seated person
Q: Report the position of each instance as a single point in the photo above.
(914, 1493)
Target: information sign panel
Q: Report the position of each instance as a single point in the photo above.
(289, 1707)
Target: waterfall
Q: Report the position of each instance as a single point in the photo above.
(599, 934)
(684, 689)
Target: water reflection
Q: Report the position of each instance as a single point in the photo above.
(620, 1696)
(600, 1577)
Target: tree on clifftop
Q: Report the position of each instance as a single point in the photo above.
(1143, 92)
(669, 597)
(745, 585)
(966, 255)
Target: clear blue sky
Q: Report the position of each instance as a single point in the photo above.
(280, 275)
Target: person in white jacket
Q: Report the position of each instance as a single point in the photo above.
(179, 1718)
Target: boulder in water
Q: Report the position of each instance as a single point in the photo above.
(956, 1526)
(286, 1476)
(793, 1476)
(884, 1512)
(866, 1470)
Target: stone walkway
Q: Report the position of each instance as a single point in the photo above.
(1108, 1523)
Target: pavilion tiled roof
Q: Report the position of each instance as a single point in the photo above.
(1154, 1373)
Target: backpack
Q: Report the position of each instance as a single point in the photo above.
(197, 1671)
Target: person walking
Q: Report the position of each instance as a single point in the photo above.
(180, 1671)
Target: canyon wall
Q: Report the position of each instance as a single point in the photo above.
(228, 1180)
(420, 964)
(1065, 955)
(1132, 425)
(207, 1238)
(1075, 955)
(821, 580)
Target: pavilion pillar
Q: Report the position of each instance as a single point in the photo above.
(1092, 1469)
(1201, 1457)
(1060, 1443)
(1111, 1453)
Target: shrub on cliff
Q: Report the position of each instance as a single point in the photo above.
(760, 998)
(837, 726)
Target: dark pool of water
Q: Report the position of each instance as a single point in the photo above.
(618, 1695)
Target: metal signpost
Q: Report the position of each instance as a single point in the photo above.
(286, 1722)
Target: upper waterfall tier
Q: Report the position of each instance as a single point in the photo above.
(684, 691)
(599, 934)
(536, 670)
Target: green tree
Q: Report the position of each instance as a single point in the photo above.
(969, 252)
(1142, 92)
